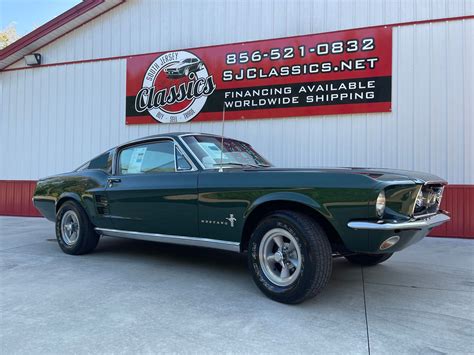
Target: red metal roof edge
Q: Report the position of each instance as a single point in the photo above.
(50, 26)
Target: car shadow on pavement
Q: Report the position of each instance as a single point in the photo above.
(163, 252)
(197, 256)
(220, 264)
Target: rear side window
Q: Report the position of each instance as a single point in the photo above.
(156, 157)
(102, 162)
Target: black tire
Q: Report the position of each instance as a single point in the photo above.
(315, 257)
(368, 259)
(86, 239)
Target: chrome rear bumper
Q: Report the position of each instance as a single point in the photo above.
(418, 224)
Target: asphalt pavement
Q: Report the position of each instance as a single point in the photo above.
(134, 297)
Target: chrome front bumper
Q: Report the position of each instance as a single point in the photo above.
(417, 224)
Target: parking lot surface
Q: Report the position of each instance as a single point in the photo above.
(143, 297)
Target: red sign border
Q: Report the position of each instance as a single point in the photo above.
(279, 113)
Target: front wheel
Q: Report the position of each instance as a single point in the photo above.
(290, 257)
(74, 232)
(368, 259)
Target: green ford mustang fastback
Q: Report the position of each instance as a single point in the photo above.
(208, 191)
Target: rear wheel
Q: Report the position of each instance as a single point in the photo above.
(74, 232)
(368, 259)
(290, 257)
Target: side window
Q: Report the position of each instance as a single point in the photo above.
(148, 158)
(102, 162)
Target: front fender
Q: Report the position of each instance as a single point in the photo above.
(305, 200)
(336, 213)
(286, 197)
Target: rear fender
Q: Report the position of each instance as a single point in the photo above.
(68, 196)
(86, 202)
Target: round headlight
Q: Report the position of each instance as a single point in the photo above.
(380, 204)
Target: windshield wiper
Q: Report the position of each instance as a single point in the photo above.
(237, 164)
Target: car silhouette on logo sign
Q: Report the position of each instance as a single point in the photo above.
(183, 68)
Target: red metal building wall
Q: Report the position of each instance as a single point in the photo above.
(459, 201)
(15, 200)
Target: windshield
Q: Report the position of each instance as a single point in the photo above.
(208, 150)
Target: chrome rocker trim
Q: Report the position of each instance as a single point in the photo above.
(171, 239)
(428, 223)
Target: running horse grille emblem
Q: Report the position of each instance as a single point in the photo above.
(231, 220)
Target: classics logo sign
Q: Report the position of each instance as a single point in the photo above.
(175, 87)
(322, 74)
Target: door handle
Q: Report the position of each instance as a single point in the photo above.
(112, 181)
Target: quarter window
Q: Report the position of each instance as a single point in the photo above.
(102, 162)
(157, 157)
(181, 162)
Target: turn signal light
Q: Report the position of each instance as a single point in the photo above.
(390, 242)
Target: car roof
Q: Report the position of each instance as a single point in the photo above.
(174, 135)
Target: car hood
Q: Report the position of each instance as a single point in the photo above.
(377, 174)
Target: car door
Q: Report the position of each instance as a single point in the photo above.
(154, 190)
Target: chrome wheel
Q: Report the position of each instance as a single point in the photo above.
(70, 227)
(280, 257)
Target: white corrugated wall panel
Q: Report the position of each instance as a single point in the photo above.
(468, 94)
(55, 118)
(455, 121)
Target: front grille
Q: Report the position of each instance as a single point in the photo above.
(428, 200)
